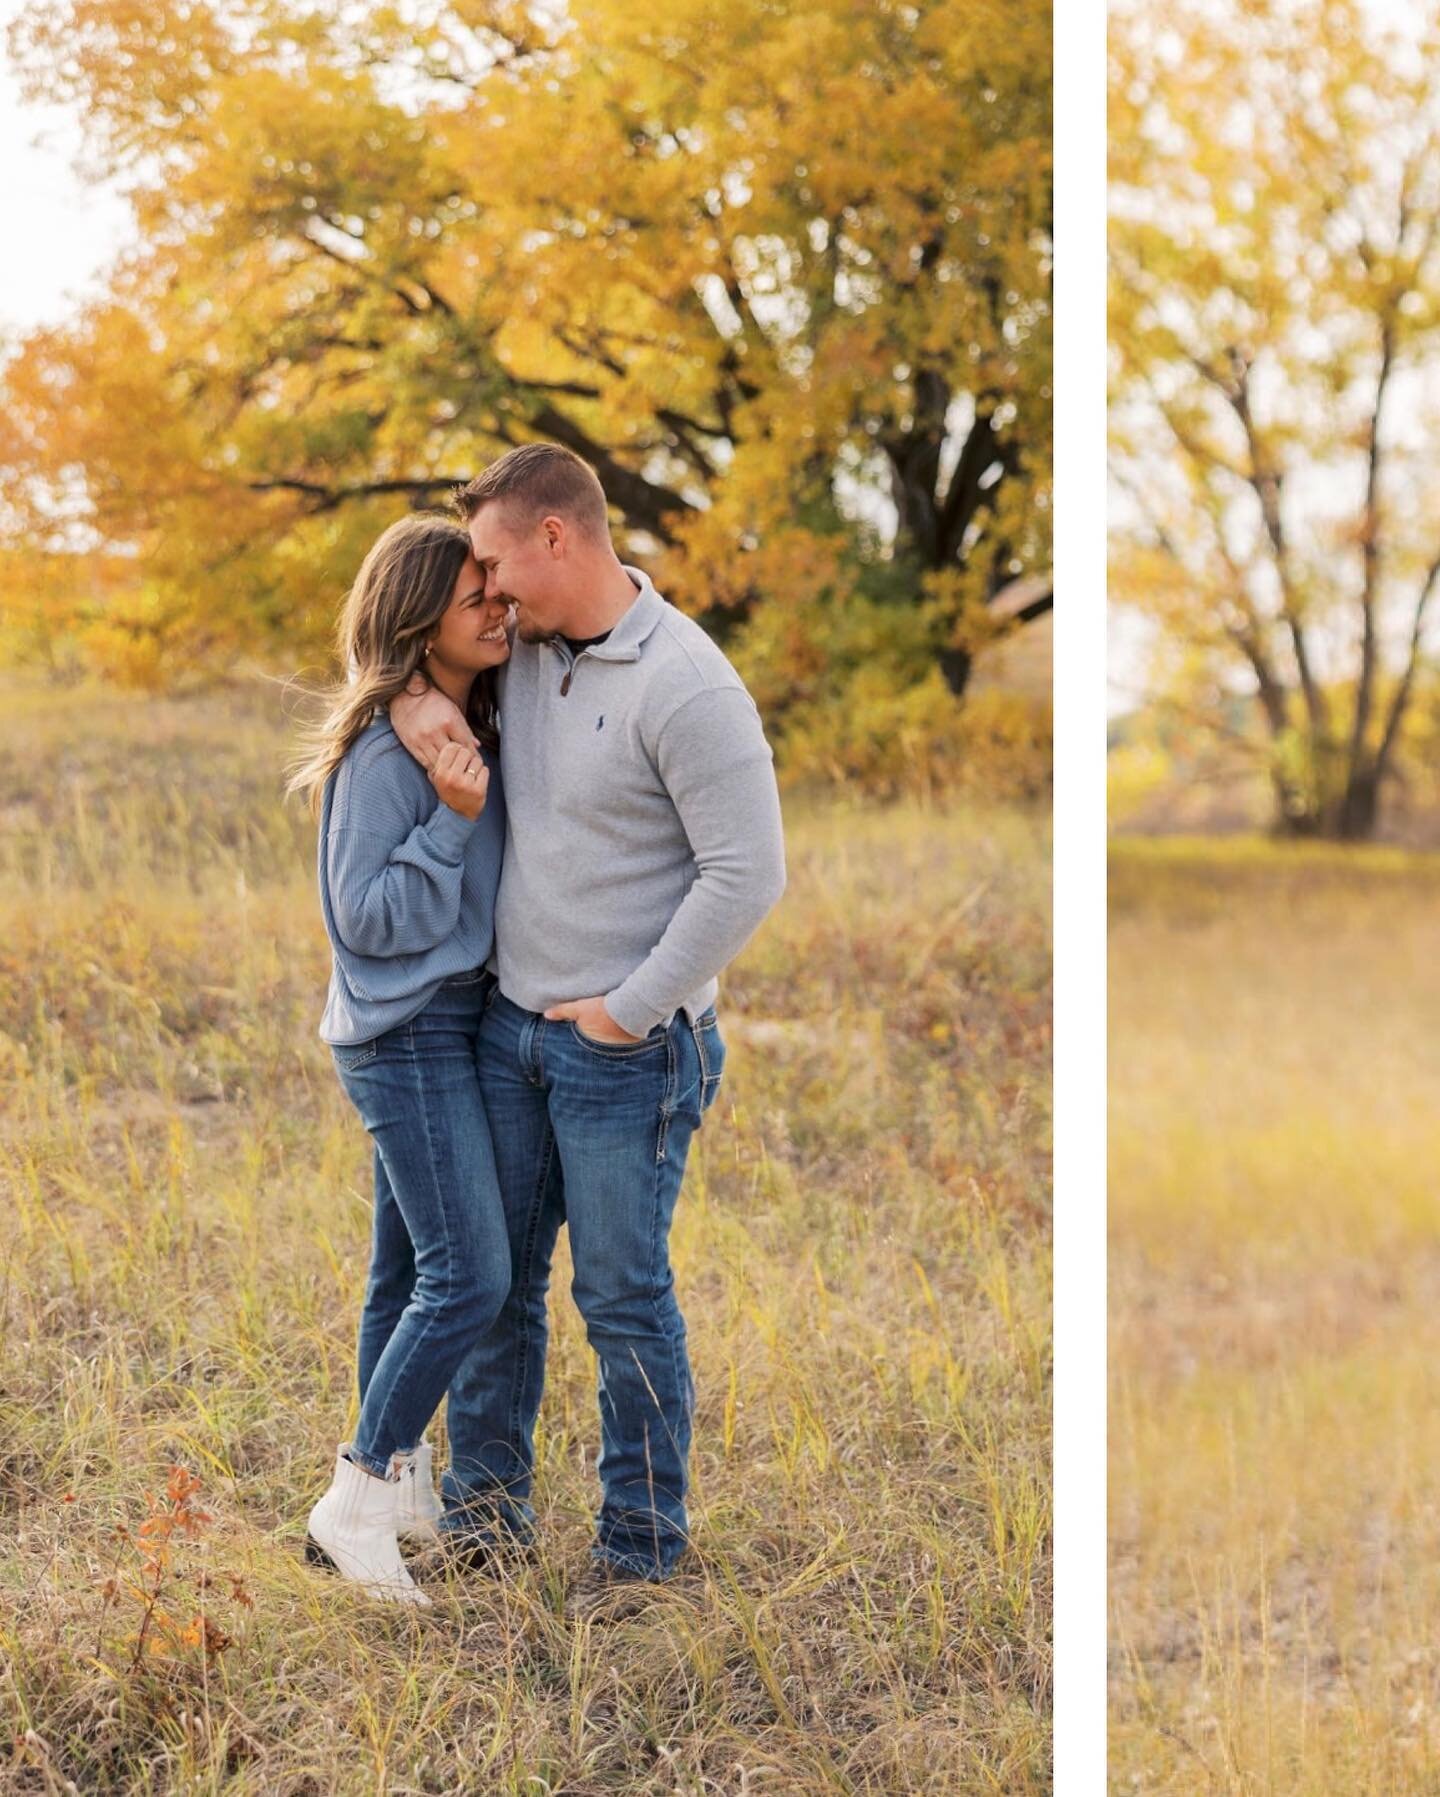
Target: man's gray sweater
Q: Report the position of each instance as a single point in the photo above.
(643, 838)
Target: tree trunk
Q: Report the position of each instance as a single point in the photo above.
(1358, 812)
(955, 666)
(1017, 603)
(1353, 817)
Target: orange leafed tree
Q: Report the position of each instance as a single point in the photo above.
(772, 266)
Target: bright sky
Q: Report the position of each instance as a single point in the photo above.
(57, 231)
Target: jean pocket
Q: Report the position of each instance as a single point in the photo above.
(622, 1051)
(355, 1055)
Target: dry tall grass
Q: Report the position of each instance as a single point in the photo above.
(862, 1252)
(1275, 1306)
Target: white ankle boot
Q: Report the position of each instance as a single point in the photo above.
(352, 1529)
(418, 1509)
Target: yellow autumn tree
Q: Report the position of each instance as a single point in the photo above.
(1275, 314)
(772, 266)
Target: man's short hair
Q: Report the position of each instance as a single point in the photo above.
(538, 480)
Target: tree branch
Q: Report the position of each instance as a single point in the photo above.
(328, 498)
(1266, 482)
(1370, 550)
(644, 503)
(980, 452)
(1401, 699)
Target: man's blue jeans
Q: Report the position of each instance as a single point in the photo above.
(593, 1135)
(440, 1256)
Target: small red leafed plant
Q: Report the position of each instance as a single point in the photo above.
(155, 1576)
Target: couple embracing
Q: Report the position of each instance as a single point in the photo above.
(548, 819)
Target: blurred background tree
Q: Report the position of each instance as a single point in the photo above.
(1275, 323)
(779, 269)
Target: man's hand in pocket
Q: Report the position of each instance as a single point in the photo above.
(591, 1019)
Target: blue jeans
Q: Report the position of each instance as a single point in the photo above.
(440, 1255)
(593, 1135)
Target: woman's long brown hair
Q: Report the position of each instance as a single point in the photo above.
(402, 591)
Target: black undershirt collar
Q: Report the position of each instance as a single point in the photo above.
(577, 643)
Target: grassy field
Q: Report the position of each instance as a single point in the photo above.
(1275, 1319)
(862, 1251)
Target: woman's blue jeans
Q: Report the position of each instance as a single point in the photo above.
(440, 1257)
(593, 1135)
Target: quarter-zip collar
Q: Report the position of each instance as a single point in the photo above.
(630, 629)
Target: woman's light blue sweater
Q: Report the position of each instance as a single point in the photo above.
(407, 886)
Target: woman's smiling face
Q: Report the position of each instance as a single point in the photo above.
(472, 630)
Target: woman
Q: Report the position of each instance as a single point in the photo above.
(409, 865)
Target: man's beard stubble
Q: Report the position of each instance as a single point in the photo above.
(527, 633)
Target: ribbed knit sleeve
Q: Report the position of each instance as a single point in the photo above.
(394, 883)
(390, 900)
(718, 770)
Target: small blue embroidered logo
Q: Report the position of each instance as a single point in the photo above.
(600, 721)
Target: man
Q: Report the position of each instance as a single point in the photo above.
(643, 848)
